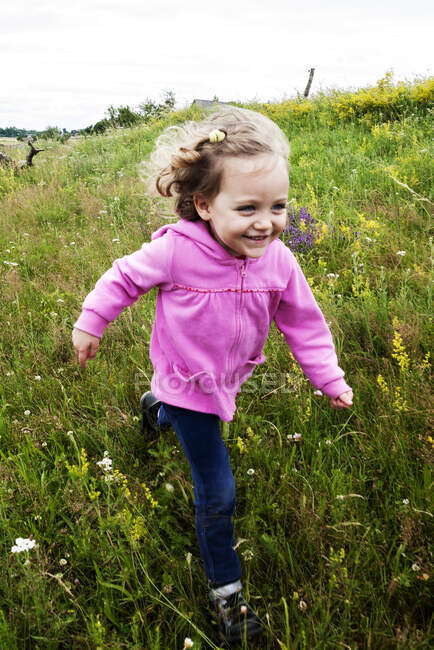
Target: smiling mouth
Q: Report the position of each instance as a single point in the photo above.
(258, 238)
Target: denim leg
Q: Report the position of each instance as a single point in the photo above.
(214, 489)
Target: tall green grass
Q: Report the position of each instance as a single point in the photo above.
(334, 531)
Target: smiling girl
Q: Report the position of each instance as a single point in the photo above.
(223, 275)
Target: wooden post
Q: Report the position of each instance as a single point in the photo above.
(309, 83)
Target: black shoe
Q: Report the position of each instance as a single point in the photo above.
(236, 618)
(149, 407)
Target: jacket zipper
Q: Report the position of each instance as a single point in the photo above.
(238, 319)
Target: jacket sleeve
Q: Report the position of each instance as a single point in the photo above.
(129, 278)
(303, 325)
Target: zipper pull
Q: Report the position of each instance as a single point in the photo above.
(243, 270)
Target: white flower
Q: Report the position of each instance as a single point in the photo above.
(72, 243)
(341, 497)
(44, 444)
(62, 561)
(250, 471)
(116, 198)
(405, 502)
(37, 377)
(169, 487)
(26, 412)
(302, 606)
(10, 263)
(368, 238)
(318, 393)
(116, 239)
(415, 567)
(400, 253)
(23, 544)
(60, 300)
(105, 463)
(328, 441)
(243, 609)
(188, 643)
(332, 275)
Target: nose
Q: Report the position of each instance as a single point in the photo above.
(263, 221)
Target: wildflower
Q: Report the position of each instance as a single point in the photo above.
(69, 434)
(402, 253)
(250, 471)
(318, 393)
(405, 502)
(382, 383)
(243, 609)
(341, 497)
(116, 198)
(44, 444)
(10, 263)
(247, 555)
(188, 643)
(296, 437)
(27, 412)
(169, 487)
(37, 377)
(106, 462)
(399, 353)
(62, 561)
(60, 300)
(328, 441)
(72, 243)
(116, 240)
(301, 231)
(415, 567)
(302, 606)
(23, 544)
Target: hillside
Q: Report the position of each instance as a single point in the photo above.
(334, 529)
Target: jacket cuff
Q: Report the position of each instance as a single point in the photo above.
(91, 322)
(335, 388)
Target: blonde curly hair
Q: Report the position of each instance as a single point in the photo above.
(184, 162)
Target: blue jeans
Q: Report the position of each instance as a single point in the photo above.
(214, 489)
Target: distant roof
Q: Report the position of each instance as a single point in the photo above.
(209, 103)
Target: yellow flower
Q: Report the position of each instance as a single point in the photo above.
(382, 383)
(399, 352)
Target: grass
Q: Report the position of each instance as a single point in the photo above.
(339, 554)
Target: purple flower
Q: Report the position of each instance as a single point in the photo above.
(301, 231)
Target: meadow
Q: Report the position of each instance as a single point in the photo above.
(334, 525)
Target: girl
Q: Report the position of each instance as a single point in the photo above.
(223, 275)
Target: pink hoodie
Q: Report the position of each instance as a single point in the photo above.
(213, 315)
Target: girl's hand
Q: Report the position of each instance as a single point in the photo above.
(343, 401)
(86, 346)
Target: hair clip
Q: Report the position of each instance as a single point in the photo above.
(216, 136)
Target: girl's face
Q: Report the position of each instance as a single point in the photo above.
(249, 212)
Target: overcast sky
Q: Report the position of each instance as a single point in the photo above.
(63, 62)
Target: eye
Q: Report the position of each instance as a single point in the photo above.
(278, 207)
(246, 208)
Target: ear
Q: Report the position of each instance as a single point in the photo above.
(202, 205)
